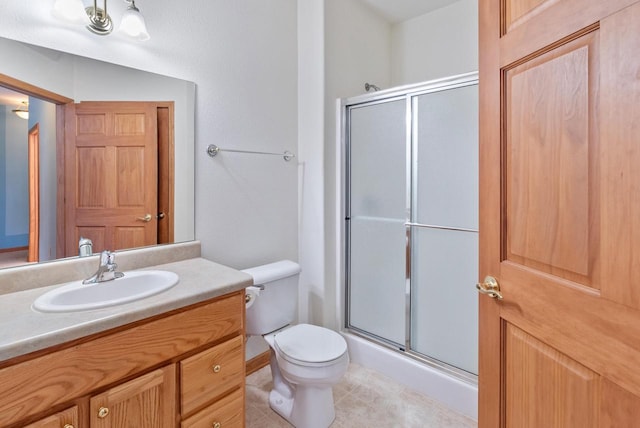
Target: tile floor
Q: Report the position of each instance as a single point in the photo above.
(364, 398)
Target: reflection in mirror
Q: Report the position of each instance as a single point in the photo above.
(106, 153)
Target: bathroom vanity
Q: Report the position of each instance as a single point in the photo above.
(174, 359)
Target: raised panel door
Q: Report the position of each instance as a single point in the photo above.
(144, 402)
(559, 113)
(111, 174)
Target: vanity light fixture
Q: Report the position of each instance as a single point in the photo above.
(22, 111)
(97, 19)
(132, 23)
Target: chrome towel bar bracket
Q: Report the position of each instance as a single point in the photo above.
(213, 150)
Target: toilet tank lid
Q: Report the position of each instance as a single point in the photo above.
(273, 271)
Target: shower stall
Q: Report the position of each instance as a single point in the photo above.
(410, 212)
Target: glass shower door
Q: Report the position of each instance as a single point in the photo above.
(376, 220)
(444, 238)
(412, 221)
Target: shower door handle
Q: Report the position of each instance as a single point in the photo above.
(490, 287)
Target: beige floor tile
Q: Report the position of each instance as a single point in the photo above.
(364, 398)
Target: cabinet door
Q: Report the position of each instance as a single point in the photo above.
(144, 402)
(65, 419)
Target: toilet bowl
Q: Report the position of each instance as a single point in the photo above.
(306, 360)
(310, 360)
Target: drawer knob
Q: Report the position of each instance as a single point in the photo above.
(103, 412)
(216, 425)
(216, 369)
(68, 426)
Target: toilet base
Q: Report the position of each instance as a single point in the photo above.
(280, 404)
(309, 407)
(301, 405)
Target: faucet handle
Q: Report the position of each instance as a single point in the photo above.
(106, 258)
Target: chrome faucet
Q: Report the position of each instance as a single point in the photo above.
(106, 271)
(85, 247)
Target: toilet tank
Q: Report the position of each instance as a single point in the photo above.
(277, 305)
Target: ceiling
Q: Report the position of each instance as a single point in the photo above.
(401, 10)
(9, 97)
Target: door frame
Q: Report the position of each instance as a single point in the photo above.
(34, 194)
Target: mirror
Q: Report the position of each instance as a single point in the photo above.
(79, 79)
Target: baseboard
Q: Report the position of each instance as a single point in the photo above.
(12, 250)
(258, 362)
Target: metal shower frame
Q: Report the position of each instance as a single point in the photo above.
(409, 93)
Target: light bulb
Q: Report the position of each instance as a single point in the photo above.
(133, 25)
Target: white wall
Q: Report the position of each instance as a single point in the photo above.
(17, 177)
(246, 205)
(357, 50)
(438, 44)
(242, 55)
(311, 137)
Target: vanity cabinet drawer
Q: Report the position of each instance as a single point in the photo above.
(211, 373)
(65, 419)
(225, 413)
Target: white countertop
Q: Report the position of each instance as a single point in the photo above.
(24, 330)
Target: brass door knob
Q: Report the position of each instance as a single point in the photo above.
(490, 287)
(146, 218)
(217, 368)
(103, 412)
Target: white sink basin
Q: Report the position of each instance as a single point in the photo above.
(76, 296)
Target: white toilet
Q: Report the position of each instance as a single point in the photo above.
(306, 360)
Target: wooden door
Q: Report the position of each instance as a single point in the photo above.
(560, 213)
(144, 402)
(110, 175)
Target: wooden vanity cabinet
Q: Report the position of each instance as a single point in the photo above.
(182, 368)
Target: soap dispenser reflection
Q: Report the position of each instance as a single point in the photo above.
(85, 247)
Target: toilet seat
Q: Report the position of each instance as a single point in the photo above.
(310, 345)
